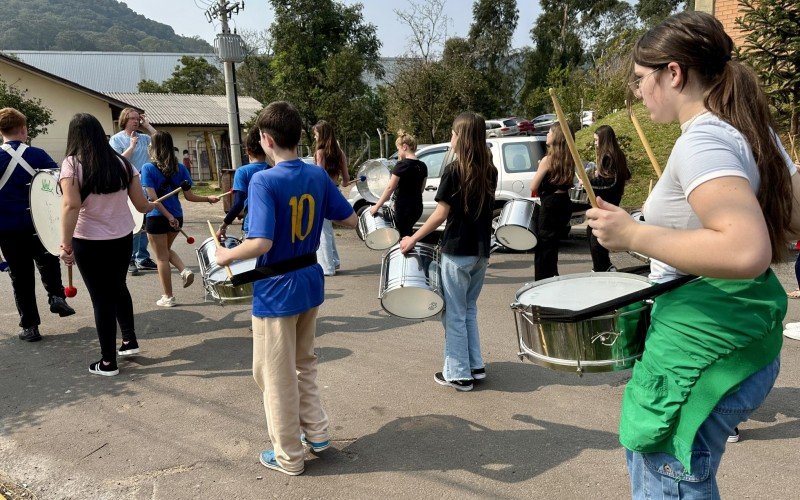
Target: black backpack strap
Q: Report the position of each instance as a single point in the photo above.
(275, 269)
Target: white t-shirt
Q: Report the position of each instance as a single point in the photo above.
(709, 148)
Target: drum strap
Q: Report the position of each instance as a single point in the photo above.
(275, 269)
(16, 159)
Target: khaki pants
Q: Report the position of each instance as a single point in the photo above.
(285, 369)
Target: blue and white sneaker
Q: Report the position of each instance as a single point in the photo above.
(267, 459)
(316, 447)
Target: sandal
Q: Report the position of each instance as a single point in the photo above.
(793, 295)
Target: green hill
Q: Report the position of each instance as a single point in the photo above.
(88, 25)
(661, 138)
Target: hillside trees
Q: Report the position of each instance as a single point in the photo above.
(194, 75)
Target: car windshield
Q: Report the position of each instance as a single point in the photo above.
(509, 123)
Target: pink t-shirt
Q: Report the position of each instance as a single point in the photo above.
(102, 216)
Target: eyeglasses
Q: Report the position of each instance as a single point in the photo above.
(635, 85)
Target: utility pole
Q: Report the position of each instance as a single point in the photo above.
(230, 49)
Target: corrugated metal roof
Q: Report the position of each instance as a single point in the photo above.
(108, 71)
(188, 109)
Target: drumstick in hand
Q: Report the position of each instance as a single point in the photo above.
(645, 142)
(185, 186)
(219, 245)
(189, 239)
(70, 291)
(562, 120)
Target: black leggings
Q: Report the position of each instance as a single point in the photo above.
(404, 220)
(551, 218)
(600, 259)
(103, 264)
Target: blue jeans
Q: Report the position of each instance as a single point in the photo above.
(661, 476)
(327, 255)
(462, 280)
(139, 252)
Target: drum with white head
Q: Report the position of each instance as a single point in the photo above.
(215, 278)
(610, 341)
(138, 217)
(372, 178)
(516, 227)
(409, 286)
(378, 230)
(45, 206)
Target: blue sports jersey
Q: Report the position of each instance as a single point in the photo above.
(15, 190)
(153, 178)
(288, 204)
(241, 180)
(120, 142)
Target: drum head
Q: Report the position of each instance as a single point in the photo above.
(515, 237)
(576, 292)
(372, 178)
(381, 239)
(217, 274)
(412, 302)
(45, 199)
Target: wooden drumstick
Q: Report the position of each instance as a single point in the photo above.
(226, 193)
(185, 186)
(219, 245)
(644, 140)
(562, 120)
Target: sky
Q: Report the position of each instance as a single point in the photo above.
(186, 18)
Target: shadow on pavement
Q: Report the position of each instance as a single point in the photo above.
(781, 401)
(510, 376)
(450, 443)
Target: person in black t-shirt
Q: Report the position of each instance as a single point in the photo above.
(610, 174)
(465, 200)
(407, 183)
(552, 181)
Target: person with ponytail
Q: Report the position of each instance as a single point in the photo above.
(407, 183)
(465, 200)
(722, 210)
(330, 157)
(608, 181)
(162, 175)
(552, 181)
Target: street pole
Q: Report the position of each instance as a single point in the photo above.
(222, 11)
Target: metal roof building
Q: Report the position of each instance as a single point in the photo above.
(107, 71)
(188, 109)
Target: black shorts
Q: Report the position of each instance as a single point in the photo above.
(158, 224)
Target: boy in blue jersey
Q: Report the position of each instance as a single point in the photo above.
(241, 181)
(287, 205)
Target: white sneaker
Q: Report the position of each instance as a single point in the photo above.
(792, 333)
(165, 301)
(187, 276)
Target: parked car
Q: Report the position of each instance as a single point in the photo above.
(543, 122)
(587, 118)
(525, 127)
(501, 128)
(516, 160)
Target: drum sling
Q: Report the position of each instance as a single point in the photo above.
(275, 269)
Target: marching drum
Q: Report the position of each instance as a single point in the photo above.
(609, 341)
(578, 194)
(372, 178)
(138, 217)
(45, 199)
(409, 286)
(378, 230)
(515, 228)
(215, 278)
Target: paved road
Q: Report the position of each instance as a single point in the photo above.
(185, 418)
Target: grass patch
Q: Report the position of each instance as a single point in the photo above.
(661, 137)
(208, 189)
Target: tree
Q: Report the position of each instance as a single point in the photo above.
(194, 75)
(37, 115)
(772, 47)
(254, 74)
(428, 24)
(493, 25)
(314, 43)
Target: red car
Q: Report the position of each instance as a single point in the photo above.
(525, 126)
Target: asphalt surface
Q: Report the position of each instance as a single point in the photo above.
(185, 419)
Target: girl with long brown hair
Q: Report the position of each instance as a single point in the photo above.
(162, 175)
(721, 210)
(552, 181)
(465, 200)
(608, 181)
(329, 156)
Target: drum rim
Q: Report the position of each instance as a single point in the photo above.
(531, 284)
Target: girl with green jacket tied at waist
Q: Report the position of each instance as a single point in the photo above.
(722, 211)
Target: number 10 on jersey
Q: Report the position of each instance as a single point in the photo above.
(302, 208)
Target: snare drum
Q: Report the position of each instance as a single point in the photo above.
(410, 286)
(45, 203)
(138, 217)
(579, 195)
(515, 228)
(608, 342)
(378, 230)
(215, 278)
